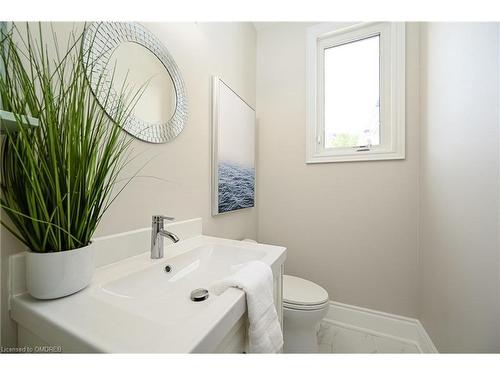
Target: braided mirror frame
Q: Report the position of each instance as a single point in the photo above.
(99, 41)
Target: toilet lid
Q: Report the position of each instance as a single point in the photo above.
(299, 291)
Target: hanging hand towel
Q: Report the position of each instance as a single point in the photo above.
(256, 280)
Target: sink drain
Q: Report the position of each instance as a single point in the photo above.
(199, 295)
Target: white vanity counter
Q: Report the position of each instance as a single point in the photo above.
(134, 305)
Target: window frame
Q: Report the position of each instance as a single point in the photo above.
(392, 90)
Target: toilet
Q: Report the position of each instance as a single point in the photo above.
(305, 304)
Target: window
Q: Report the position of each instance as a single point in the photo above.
(356, 92)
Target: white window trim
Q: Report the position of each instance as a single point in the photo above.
(392, 90)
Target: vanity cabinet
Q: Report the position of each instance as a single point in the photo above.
(234, 342)
(134, 305)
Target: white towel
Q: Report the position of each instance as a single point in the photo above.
(256, 279)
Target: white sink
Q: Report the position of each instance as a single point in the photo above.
(134, 305)
(165, 297)
(196, 268)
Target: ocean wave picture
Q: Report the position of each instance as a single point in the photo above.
(236, 187)
(233, 178)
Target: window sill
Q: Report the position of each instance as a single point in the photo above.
(372, 155)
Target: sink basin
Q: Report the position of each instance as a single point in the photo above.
(151, 292)
(197, 268)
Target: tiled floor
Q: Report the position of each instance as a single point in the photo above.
(336, 339)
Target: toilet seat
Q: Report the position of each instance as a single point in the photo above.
(291, 306)
(303, 295)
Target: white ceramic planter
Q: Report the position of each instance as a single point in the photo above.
(58, 274)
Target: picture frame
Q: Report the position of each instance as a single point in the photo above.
(233, 150)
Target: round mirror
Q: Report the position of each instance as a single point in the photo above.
(118, 53)
(140, 69)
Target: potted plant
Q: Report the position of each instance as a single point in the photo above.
(59, 178)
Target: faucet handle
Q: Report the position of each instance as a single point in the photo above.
(157, 218)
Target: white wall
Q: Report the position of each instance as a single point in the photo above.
(355, 228)
(459, 286)
(351, 227)
(200, 50)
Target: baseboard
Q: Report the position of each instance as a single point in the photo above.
(378, 323)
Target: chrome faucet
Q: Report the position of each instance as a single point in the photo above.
(157, 235)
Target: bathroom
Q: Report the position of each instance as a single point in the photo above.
(388, 246)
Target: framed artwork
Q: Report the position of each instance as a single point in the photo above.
(233, 150)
